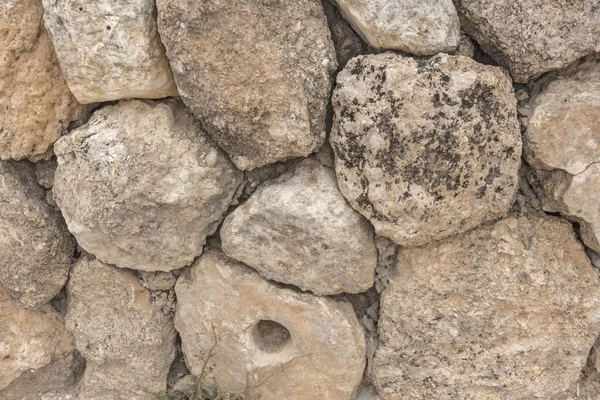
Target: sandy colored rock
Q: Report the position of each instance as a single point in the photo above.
(531, 37)
(506, 311)
(296, 344)
(257, 73)
(425, 148)
(564, 126)
(109, 50)
(421, 27)
(35, 245)
(298, 229)
(141, 185)
(127, 342)
(36, 350)
(35, 102)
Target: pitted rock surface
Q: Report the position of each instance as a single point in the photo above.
(141, 186)
(425, 148)
(36, 248)
(35, 102)
(296, 344)
(109, 50)
(506, 311)
(128, 343)
(298, 229)
(530, 37)
(421, 27)
(36, 350)
(257, 73)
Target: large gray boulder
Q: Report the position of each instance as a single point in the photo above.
(506, 311)
(299, 229)
(109, 49)
(36, 248)
(128, 343)
(267, 341)
(530, 37)
(257, 73)
(421, 27)
(141, 186)
(425, 148)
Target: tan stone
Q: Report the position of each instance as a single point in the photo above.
(36, 248)
(36, 351)
(257, 73)
(425, 148)
(126, 340)
(280, 343)
(35, 102)
(506, 311)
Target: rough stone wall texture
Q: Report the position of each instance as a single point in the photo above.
(351, 200)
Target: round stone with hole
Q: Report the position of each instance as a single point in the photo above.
(264, 340)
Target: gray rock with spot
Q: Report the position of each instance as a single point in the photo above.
(425, 148)
(257, 73)
(506, 311)
(298, 229)
(141, 186)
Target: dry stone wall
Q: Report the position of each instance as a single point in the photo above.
(299, 199)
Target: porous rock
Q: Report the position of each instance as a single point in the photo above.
(298, 229)
(35, 246)
(35, 102)
(280, 343)
(421, 27)
(141, 185)
(257, 73)
(531, 37)
(563, 145)
(109, 49)
(36, 351)
(128, 343)
(506, 311)
(425, 148)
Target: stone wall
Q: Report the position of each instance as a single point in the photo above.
(304, 200)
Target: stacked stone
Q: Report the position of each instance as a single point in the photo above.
(170, 173)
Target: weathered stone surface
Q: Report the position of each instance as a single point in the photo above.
(36, 351)
(421, 27)
(109, 49)
(298, 229)
(506, 311)
(563, 130)
(127, 342)
(35, 245)
(141, 186)
(531, 37)
(295, 345)
(35, 102)
(257, 73)
(425, 148)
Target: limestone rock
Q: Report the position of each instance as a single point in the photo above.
(35, 102)
(35, 245)
(127, 342)
(109, 49)
(421, 27)
(531, 37)
(425, 148)
(36, 350)
(298, 229)
(506, 311)
(347, 43)
(563, 130)
(295, 345)
(141, 186)
(257, 73)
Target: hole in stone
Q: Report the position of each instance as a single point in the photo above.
(108, 28)
(270, 336)
(80, 8)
